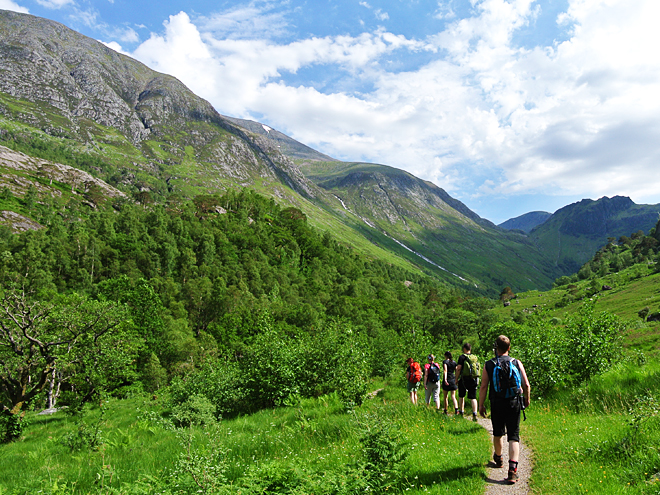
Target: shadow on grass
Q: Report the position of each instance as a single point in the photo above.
(471, 471)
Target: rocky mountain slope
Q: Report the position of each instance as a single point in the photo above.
(73, 87)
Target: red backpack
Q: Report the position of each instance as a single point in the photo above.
(415, 373)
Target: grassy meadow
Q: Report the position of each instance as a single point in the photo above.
(603, 438)
(315, 446)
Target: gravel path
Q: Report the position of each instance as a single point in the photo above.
(495, 484)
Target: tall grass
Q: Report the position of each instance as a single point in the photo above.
(603, 437)
(315, 446)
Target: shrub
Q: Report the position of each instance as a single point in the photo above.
(196, 410)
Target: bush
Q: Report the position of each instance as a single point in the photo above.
(221, 382)
(556, 356)
(11, 426)
(196, 410)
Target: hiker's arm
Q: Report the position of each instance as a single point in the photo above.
(444, 374)
(526, 387)
(426, 376)
(483, 390)
(458, 369)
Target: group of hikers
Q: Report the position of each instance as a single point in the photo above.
(502, 378)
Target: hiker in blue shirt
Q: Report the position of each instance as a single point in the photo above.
(505, 381)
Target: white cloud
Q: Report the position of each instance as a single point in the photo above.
(577, 117)
(54, 4)
(115, 46)
(380, 15)
(126, 34)
(9, 5)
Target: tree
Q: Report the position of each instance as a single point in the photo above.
(90, 343)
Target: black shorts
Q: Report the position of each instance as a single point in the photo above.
(467, 385)
(505, 415)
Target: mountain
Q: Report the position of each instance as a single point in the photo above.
(69, 100)
(526, 222)
(165, 137)
(572, 235)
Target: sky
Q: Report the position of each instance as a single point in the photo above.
(511, 106)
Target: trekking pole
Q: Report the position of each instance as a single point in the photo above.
(521, 400)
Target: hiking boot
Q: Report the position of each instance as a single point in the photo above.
(474, 417)
(460, 413)
(512, 477)
(497, 461)
(445, 412)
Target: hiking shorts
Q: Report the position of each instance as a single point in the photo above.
(432, 392)
(505, 415)
(413, 386)
(467, 385)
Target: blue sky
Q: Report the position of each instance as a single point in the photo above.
(510, 105)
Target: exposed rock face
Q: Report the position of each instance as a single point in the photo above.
(18, 223)
(73, 83)
(35, 167)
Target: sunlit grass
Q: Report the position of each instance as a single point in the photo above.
(316, 436)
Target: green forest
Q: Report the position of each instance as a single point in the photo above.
(175, 325)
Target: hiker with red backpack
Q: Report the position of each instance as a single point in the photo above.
(432, 377)
(505, 381)
(414, 378)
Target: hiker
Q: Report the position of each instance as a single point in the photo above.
(427, 392)
(414, 378)
(508, 388)
(432, 378)
(468, 371)
(449, 381)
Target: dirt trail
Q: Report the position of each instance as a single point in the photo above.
(495, 484)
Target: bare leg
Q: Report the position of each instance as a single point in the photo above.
(444, 395)
(514, 451)
(453, 398)
(497, 446)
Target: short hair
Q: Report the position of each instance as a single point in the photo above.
(410, 360)
(502, 343)
(448, 355)
(467, 346)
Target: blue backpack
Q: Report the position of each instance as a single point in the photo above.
(507, 381)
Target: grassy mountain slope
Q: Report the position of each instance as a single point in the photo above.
(572, 235)
(632, 290)
(428, 221)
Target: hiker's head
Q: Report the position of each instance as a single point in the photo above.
(431, 357)
(467, 347)
(448, 355)
(502, 344)
(410, 361)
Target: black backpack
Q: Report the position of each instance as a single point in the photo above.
(434, 373)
